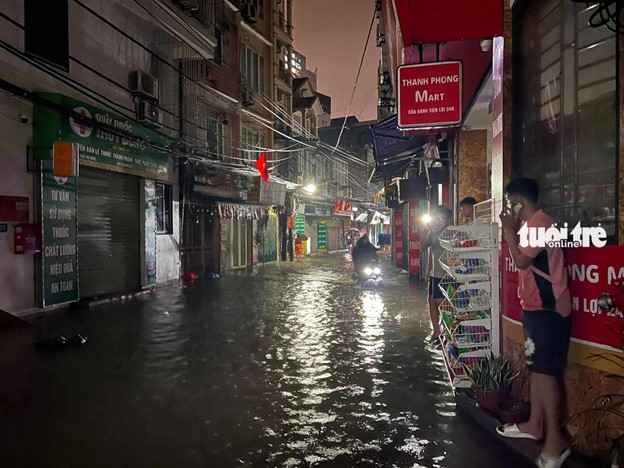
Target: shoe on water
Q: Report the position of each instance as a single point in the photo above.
(546, 461)
(513, 432)
(56, 343)
(77, 340)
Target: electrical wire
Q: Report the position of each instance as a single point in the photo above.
(370, 30)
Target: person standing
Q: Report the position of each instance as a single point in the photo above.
(546, 318)
(466, 208)
(441, 219)
(299, 248)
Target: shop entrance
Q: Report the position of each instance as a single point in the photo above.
(109, 233)
(238, 233)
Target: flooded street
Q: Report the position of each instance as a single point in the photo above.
(289, 366)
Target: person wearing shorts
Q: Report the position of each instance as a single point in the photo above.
(547, 322)
(441, 217)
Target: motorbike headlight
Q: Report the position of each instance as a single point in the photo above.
(368, 271)
(376, 270)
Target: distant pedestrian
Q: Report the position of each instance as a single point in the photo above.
(466, 208)
(299, 248)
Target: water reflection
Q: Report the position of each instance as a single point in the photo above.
(292, 366)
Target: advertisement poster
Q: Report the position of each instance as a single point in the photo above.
(59, 258)
(398, 238)
(300, 224)
(414, 253)
(592, 272)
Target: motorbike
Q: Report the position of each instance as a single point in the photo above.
(369, 275)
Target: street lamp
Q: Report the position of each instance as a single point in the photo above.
(310, 188)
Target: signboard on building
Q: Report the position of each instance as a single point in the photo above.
(300, 224)
(119, 144)
(592, 271)
(414, 253)
(322, 237)
(398, 238)
(342, 208)
(429, 95)
(59, 260)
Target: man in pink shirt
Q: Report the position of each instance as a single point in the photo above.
(546, 318)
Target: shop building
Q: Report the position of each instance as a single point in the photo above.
(541, 93)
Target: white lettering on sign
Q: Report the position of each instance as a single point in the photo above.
(587, 273)
(615, 278)
(416, 82)
(424, 96)
(60, 195)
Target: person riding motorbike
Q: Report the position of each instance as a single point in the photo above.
(364, 253)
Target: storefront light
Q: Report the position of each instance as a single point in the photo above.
(426, 219)
(310, 188)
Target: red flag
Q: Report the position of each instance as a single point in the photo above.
(262, 168)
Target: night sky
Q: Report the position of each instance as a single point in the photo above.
(331, 35)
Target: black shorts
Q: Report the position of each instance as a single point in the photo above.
(434, 288)
(547, 339)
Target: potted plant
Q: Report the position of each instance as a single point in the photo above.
(489, 377)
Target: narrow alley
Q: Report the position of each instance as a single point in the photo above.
(292, 365)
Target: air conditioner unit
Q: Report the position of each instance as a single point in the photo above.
(149, 114)
(248, 12)
(249, 97)
(143, 84)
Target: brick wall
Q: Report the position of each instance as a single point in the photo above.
(472, 172)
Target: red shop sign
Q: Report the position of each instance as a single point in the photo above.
(430, 95)
(398, 236)
(414, 238)
(592, 271)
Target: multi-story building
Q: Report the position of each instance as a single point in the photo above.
(167, 102)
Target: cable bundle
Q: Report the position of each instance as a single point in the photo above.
(607, 14)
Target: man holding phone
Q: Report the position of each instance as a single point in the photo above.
(546, 319)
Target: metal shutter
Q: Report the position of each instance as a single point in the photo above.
(109, 240)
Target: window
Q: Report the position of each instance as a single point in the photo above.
(251, 141)
(164, 209)
(218, 140)
(566, 127)
(47, 31)
(252, 68)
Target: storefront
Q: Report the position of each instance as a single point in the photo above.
(565, 134)
(111, 229)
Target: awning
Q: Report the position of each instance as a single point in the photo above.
(392, 150)
(426, 22)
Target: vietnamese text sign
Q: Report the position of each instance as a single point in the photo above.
(322, 237)
(430, 95)
(99, 147)
(414, 253)
(60, 229)
(592, 271)
(300, 224)
(398, 238)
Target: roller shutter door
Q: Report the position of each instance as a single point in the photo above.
(109, 236)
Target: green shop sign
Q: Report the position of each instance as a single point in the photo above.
(99, 147)
(59, 259)
(322, 236)
(300, 224)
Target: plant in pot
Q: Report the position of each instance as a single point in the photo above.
(490, 377)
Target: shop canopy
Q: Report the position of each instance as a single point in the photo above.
(393, 151)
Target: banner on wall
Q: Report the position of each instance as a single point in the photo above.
(398, 238)
(414, 253)
(592, 271)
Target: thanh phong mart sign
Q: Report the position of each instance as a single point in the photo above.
(429, 95)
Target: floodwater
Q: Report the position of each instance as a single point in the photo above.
(291, 365)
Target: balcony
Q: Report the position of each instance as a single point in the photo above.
(284, 74)
(283, 25)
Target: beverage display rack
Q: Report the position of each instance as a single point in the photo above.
(469, 315)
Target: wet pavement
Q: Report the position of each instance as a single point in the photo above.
(291, 365)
